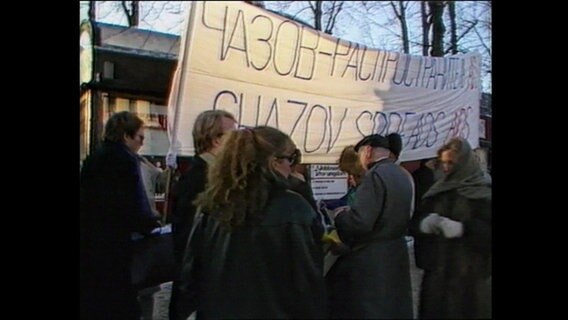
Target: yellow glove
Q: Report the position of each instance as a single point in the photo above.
(331, 237)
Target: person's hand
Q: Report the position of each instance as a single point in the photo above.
(430, 224)
(171, 160)
(331, 237)
(298, 175)
(339, 210)
(450, 228)
(321, 205)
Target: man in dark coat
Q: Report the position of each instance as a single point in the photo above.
(373, 280)
(209, 128)
(452, 231)
(113, 204)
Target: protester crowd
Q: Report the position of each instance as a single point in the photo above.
(249, 240)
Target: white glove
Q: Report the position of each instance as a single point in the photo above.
(430, 224)
(171, 160)
(451, 228)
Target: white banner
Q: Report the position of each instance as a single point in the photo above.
(326, 93)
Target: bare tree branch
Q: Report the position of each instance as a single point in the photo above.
(487, 49)
(333, 16)
(426, 24)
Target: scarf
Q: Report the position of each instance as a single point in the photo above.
(466, 177)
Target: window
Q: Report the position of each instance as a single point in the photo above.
(108, 70)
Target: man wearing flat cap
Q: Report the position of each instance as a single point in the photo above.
(373, 280)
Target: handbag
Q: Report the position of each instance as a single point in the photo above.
(153, 258)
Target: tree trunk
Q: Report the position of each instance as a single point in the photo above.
(404, 28)
(92, 11)
(438, 28)
(135, 17)
(453, 27)
(336, 7)
(426, 23)
(132, 13)
(400, 14)
(318, 15)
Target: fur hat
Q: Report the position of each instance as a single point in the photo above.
(395, 144)
(374, 140)
(392, 142)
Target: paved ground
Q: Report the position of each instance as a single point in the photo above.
(416, 278)
(155, 300)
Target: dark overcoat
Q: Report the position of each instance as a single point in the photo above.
(190, 184)
(373, 280)
(266, 269)
(113, 204)
(457, 271)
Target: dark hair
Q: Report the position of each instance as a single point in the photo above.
(207, 127)
(240, 179)
(122, 123)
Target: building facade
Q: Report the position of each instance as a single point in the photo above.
(125, 69)
(485, 134)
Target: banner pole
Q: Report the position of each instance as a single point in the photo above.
(167, 196)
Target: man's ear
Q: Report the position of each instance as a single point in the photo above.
(216, 142)
(125, 137)
(367, 152)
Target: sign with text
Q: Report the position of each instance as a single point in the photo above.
(327, 181)
(326, 93)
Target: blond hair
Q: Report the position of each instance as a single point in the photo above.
(349, 162)
(240, 180)
(208, 127)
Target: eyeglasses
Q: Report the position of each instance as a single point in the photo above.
(291, 158)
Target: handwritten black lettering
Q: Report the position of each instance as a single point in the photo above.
(283, 52)
(269, 27)
(323, 134)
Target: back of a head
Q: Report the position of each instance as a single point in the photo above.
(208, 127)
(120, 124)
(239, 180)
(395, 144)
(349, 162)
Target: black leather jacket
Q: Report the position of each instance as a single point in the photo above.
(271, 269)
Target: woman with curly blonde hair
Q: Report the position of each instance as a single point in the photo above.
(253, 252)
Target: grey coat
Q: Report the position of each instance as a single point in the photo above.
(373, 281)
